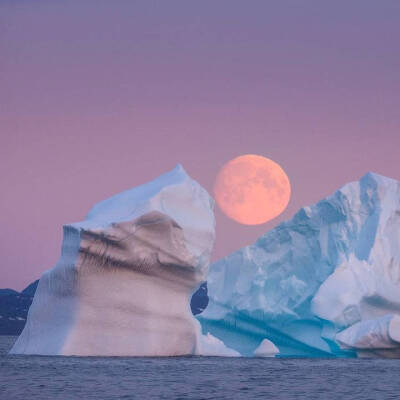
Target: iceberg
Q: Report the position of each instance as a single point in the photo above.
(210, 346)
(123, 283)
(266, 349)
(324, 284)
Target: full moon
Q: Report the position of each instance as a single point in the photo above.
(252, 189)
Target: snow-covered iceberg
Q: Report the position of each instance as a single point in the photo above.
(123, 283)
(326, 283)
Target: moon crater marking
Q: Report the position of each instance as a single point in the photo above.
(252, 189)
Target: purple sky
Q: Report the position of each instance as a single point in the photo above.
(100, 96)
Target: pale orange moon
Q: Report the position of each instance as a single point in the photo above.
(252, 189)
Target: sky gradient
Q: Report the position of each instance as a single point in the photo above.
(100, 96)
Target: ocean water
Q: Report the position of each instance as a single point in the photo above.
(39, 377)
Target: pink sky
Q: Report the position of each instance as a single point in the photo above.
(100, 96)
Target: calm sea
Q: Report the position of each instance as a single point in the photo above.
(33, 377)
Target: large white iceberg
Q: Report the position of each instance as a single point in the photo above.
(319, 284)
(123, 283)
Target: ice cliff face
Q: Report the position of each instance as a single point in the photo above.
(325, 283)
(134, 254)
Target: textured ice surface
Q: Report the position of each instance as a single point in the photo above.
(123, 283)
(335, 264)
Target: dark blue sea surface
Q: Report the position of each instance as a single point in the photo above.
(34, 377)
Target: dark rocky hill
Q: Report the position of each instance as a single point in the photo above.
(14, 308)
